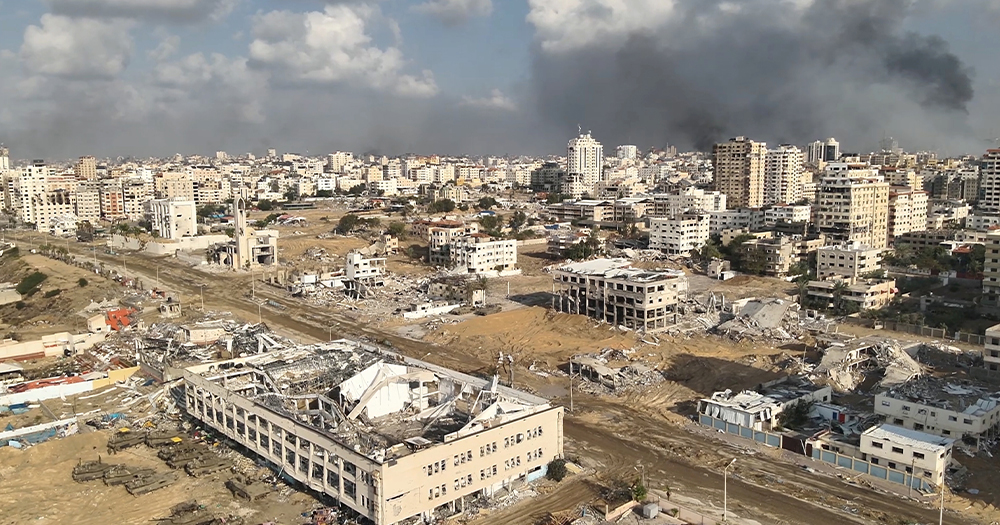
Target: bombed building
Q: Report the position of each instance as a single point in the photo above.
(393, 438)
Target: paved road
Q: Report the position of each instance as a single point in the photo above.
(760, 487)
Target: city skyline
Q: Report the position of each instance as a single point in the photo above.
(145, 78)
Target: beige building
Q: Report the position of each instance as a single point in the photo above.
(991, 270)
(847, 260)
(389, 437)
(914, 452)
(939, 410)
(852, 205)
(480, 254)
(907, 211)
(867, 294)
(112, 199)
(88, 201)
(991, 348)
(174, 185)
(739, 171)
(689, 199)
(172, 219)
(989, 181)
(612, 291)
(783, 175)
(86, 168)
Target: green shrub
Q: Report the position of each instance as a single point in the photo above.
(30, 283)
(52, 293)
(82, 282)
(20, 305)
(556, 470)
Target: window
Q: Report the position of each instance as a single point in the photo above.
(886, 403)
(906, 408)
(897, 450)
(876, 444)
(967, 421)
(952, 418)
(918, 455)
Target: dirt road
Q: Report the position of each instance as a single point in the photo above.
(615, 435)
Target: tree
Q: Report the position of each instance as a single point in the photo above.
(397, 229)
(82, 282)
(492, 225)
(347, 223)
(583, 250)
(554, 198)
(486, 203)
(442, 206)
(557, 470)
(324, 193)
(752, 260)
(639, 491)
(357, 190)
(265, 205)
(463, 207)
(517, 221)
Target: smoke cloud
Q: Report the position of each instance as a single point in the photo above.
(779, 71)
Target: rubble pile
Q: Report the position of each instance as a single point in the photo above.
(845, 365)
(773, 319)
(600, 376)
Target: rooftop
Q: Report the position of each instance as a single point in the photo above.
(619, 269)
(911, 438)
(376, 402)
(964, 396)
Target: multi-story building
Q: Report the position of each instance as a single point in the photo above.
(991, 348)
(679, 233)
(739, 171)
(547, 178)
(852, 261)
(989, 181)
(172, 219)
(462, 437)
(174, 185)
(30, 182)
(696, 199)
(88, 201)
(51, 207)
(585, 158)
(991, 270)
(627, 152)
(135, 194)
(481, 254)
(970, 413)
(86, 168)
(866, 294)
(823, 151)
(907, 211)
(4, 160)
(852, 205)
(790, 214)
(112, 199)
(782, 175)
(778, 254)
(736, 219)
(918, 453)
(612, 291)
(588, 211)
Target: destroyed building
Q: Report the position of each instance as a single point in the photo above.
(390, 437)
(958, 410)
(612, 291)
(771, 317)
(759, 409)
(846, 363)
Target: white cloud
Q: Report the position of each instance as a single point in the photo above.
(333, 46)
(166, 48)
(496, 100)
(156, 10)
(566, 25)
(454, 12)
(228, 82)
(78, 48)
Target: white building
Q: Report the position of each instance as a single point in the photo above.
(852, 205)
(991, 348)
(627, 152)
(847, 260)
(787, 213)
(783, 175)
(907, 211)
(358, 268)
(989, 181)
(680, 233)
(823, 151)
(739, 171)
(736, 219)
(991, 270)
(172, 219)
(585, 158)
(918, 453)
(942, 412)
(669, 204)
(480, 254)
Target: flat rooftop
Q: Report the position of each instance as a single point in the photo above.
(911, 438)
(619, 268)
(376, 402)
(964, 396)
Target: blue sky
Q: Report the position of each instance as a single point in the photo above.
(152, 77)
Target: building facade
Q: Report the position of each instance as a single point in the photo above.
(679, 234)
(783, 175)
(852, 205)
(907, 211)
(739, 171)
(172, 219)
(585, 159)
(847, 260)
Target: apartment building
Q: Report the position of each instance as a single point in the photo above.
(989, 181)
(907, 211)
(736, 219)
(421, 229)
(787, 213)
(611, 291)
(942, 410)
(112, 199)
(52, 207)
(991, 270)
(172, 219)
(914, 452)
(135, 194)
(588, 211)
(688, 199)
(86, 168)
(174, 185)
(739, 171)
(851, 261)
(991, 348)
(866, 294)
(442, 235)
(852, 205)
(88, 201)
(777, 253)
(679, 233)
(480, 254)
(585, 158)
(782, 175)
(401, 439)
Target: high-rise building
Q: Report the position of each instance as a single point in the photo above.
(585, 159)
(627, 152)
(783, 175)
(86, 168)
(989, 181)
(739, 171)
(852, 203)
(4, 159)
(823, 151)
(907, 211)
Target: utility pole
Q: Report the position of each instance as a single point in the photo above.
(202, 288)
(571, 384)
(157, 276)
(725, 491)
(941, 514)
(260, 318)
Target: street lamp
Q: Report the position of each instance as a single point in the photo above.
(643, 474)
(725, 491)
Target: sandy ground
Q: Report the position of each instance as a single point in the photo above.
(36, 487)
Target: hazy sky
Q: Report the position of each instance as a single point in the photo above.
(155, 77)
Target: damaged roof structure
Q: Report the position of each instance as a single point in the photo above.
(845, 362)
(391, 437)
(759, 409)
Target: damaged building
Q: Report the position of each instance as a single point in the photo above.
(759, 409)
(847, 363)
(937, 406)
(614, 292)
(393, 438)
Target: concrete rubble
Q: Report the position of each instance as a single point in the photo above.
(846, 363)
